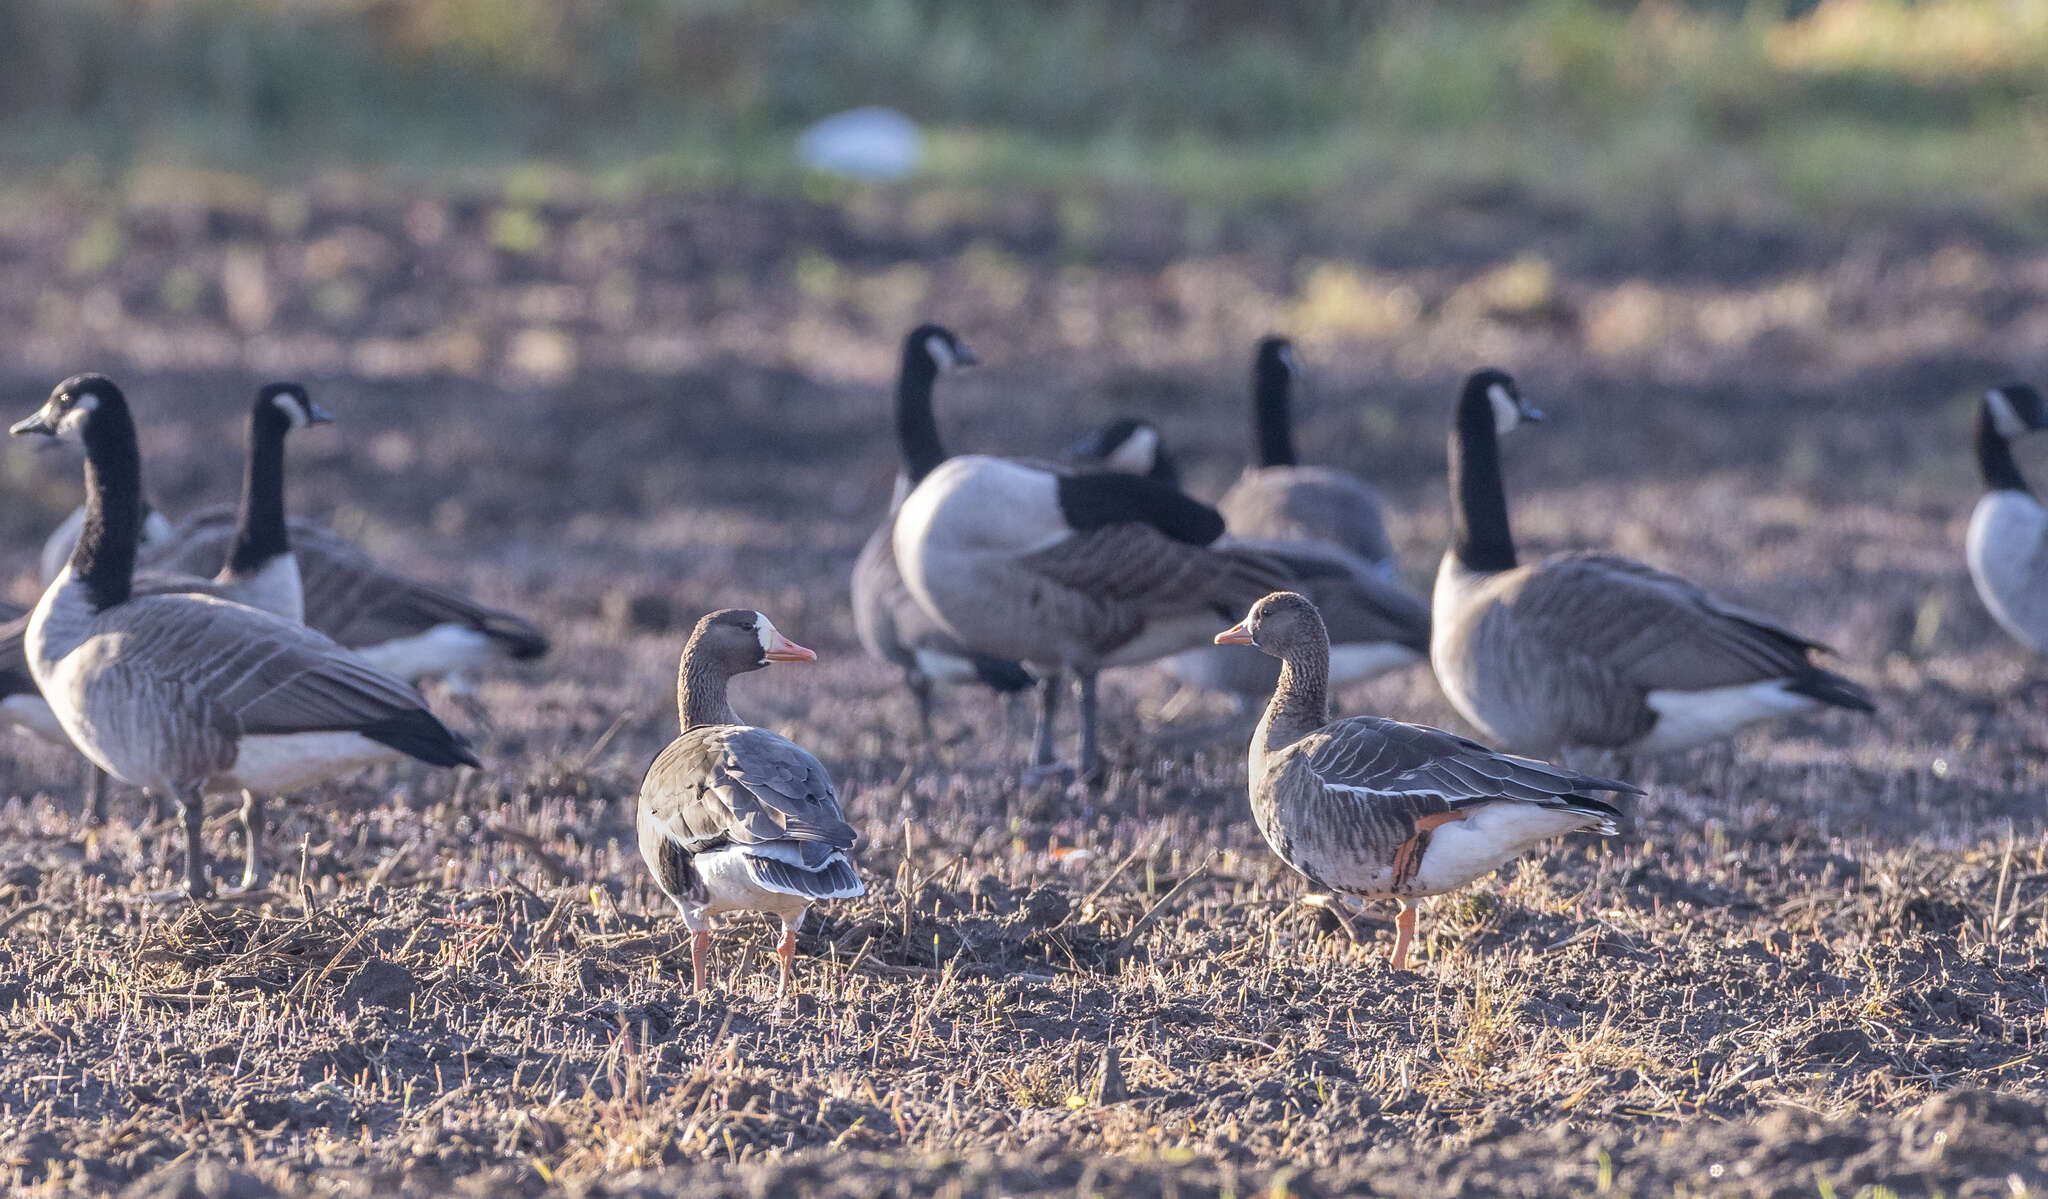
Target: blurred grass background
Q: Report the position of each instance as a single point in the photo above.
(1710, 110)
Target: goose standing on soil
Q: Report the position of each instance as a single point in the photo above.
(2008, 542)
(1069, 572)
(1592, 650)
(886, 618)
(186, 694)
(734, 818)
(1281, 498)
(1383, 810)
(261, 570)
(1375, 623)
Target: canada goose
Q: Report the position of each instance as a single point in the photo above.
(260, 571)
(21, 705)
(2008, 543)
(1069, 572)
(1592, 650)
(1281, 498)
(1384, 810)
(886, 618)
(1375, 623)
(185, 694)
(734, 818)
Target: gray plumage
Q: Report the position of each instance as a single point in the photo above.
(1308, 503)
(1380, 809)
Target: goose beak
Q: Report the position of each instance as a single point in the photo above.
(1236, 634)
(962, 356)
(1532, 414)
(316, 415)
(782, 649)
(39, 423)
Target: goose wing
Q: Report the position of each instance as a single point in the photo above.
(738, 786)
(1359, 603)
(348, 595)
(1426, 770)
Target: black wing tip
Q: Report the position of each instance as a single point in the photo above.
(1001, 674)
(519, 639)
(1834, 690)
(419, 734)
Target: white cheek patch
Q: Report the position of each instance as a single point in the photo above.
(1138, 453)
(941, 353)
(2004, 417)
(765, 630)
(293, 410)
(1506, 412)
(1288, 360)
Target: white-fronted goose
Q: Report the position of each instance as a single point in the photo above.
(1592, 650)
(1375, 623)
(187, 695)
(1070, 572)
(734, 818)
(2008, 543)
(890, 624)
(1384, 810)
(1280, 498)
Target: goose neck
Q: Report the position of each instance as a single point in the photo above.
(701, 693)
(1272, 421)
(104, 558)
(1479, 503)
(917, 430)
(1300, 703)
(260, 535)
(1994, 456)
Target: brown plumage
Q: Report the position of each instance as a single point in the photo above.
(737, 818)
(1380, 809)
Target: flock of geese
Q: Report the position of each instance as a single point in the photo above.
(243, 650)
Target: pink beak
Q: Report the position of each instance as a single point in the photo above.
(782, 649)
(1236, 634)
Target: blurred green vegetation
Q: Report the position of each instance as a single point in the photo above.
(1709, 109)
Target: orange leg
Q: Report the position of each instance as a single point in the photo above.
(787, 952)
(700, 944)
(1404, 932)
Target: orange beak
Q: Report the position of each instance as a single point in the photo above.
(1236, 634)
(782, 649)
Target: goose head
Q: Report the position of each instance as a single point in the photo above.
(2015, 409)
(69, 411)
(936, 349)
(289, 402)
(1276, 625)
(1496, 389)
(1274, 361)
(737, 640)
(1130, 445)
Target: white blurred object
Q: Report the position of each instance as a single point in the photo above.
(865, 143)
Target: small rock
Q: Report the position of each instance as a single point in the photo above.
(379, 983)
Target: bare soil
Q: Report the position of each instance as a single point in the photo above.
(1812, 964)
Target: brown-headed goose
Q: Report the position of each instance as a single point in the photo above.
(1070, 572)
(1383, 810)
(890, 624)
(1283, 499)
(734, 818)
(2008, 542)
(262, 571)
(1375, 623)
(1592, 650)
(189, 694)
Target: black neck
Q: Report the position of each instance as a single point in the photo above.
(917, 431)
(1994, 455)
(104, 558)
(1271, 384)
(1479, 502)
(261, 536)
(700, 692)
(1301, 701)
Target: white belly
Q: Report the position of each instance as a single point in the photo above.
(2007, 550)
(1689, 718)
(946, 668)
(1491, 836)
(276, 763)
(442, 650)
(731, 888)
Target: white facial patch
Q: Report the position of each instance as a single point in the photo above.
(1136, 454)
(1506, 412)
(72, 423)
(1288, 360)
(294, 410)
(2004, 417)
(765, 630)
(941, 352)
